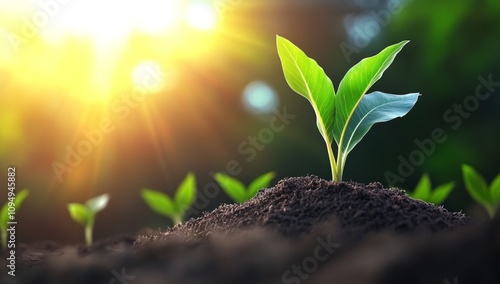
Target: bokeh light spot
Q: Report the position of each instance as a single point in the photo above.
(202, 16)
(260, 97)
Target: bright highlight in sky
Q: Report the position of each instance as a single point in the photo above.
(201, 15)
(259, 97)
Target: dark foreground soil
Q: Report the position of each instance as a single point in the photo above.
(303, 230)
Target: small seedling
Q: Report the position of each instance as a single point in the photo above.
(174, 208)
(14, 201)
(237, 191)
(489, 198)
(85, 214)
(424, 192)
(346, 116)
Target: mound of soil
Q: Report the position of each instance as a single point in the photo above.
(303, 230)
(296, 205)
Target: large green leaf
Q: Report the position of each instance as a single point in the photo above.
(259, 183)
(233, 187)
(374, 108)
(356, 83)
(476, 186)
(186, 193)
(159, 202)
(309, 80)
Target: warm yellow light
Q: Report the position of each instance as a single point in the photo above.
(148, 77)
(201, 15)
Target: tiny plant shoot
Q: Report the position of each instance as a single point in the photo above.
(424, 192)
(85, 214)
(237, 191)
(344, 116)
(6, 215)
(488, 197)
(174, 208)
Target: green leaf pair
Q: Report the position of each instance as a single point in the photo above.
(84, 214)
(424, 192)
(174, 208)
(237, 191)
(488, 197)
(346, 116)
(4, 213)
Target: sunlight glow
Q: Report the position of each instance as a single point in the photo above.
(201, 15)
(148, 76)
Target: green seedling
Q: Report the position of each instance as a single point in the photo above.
(347, 115)
(237, 191)
(424, 192)
(174, 208)
(84, 214)
(14, 201)
(488, 197)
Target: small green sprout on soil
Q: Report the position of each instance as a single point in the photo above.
(174, 208)
(347, 115)
(424, 192)
(488, 197)
(14, 202)
(84, 214)
(237, 191)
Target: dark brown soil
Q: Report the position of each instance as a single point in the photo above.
(303, 230)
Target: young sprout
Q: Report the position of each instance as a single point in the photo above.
(174, 208)
(85, 214)
(424, 192)
(237, 191)
(14, 201)
(489, 198)
(346, 116)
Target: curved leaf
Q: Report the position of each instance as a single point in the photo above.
(98, 203)
(356, 83)
(476, 186)
(4, 212)
(441, 192)
(186, 193)
(233, 187)
(309, 80)
(79, 213)
(259, 183)
(374, 108)
(495, 189)
(159, 202)
(423, 189)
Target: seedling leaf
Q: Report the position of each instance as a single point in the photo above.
(4, 215)
(476, 186)
(423, 188)
(159, 202)
(186, 193)
(79, 213)
(374, 108)
(233, 187)
(495, 189)
(441, 192)
(259, 183)
(98, 203)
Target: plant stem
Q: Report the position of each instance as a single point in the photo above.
(491, 211)
(88, 234)
(333, 163)
(177, 219)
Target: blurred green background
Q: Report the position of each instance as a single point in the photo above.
(218, 89)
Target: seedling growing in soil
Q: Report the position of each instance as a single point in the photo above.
(489, 198)
(85, 214)
(237, 191)
(14, 202)
(174, 208)
(346, 116)
(424, 192)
